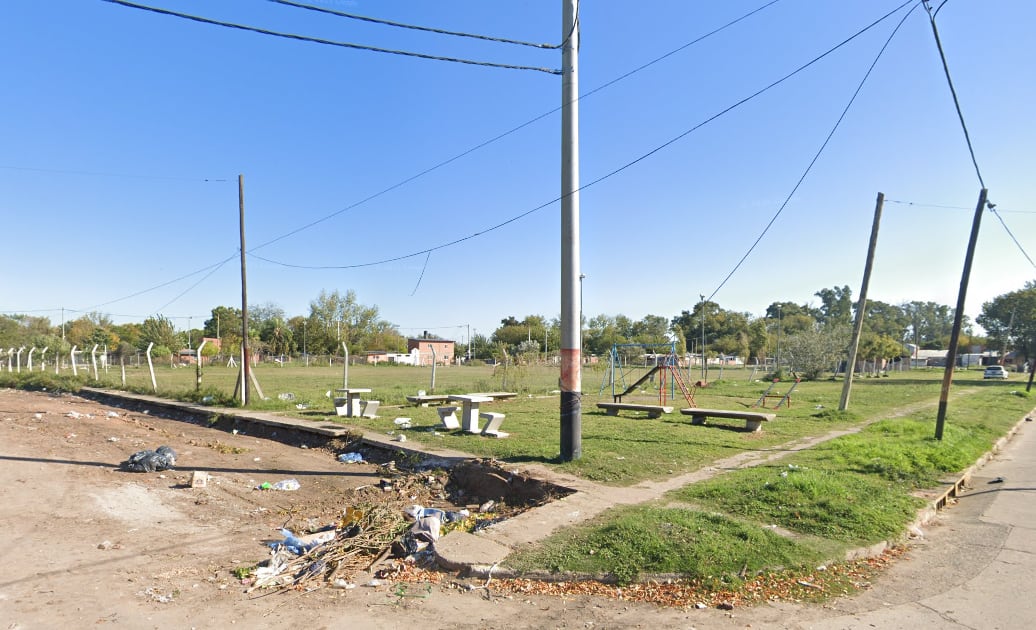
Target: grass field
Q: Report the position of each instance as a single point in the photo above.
(850, 491)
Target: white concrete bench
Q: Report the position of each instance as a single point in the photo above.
(424, 400)
(369, 408)
(492, 426)
(753, 419)
(448, 417)
(469, 410)
(653, 411)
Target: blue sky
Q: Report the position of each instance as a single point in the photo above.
(124, 132)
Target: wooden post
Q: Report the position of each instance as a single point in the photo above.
(958, 316)
(151, 367)
(861, 306)
(245, 356)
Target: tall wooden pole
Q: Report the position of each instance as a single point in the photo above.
(571, 350)
(246, 364)
(861, 306)
(958, 316)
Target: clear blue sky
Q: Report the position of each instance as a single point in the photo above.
(124, 132)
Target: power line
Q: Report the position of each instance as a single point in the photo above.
(823, 146)
(164, 284)
(992, 208)
(328, 42)
(439, 31)
(953, 91)
(932, 205)
(188, 289)
(513, 130)
(614, 172)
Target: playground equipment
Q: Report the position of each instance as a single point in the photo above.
(784, 399)
(666, 366)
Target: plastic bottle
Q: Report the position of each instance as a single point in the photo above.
(287, 484)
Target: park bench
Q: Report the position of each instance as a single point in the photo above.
(492, 426)
(448, 417)
(369, 408)
(653, 411)
(348, 404)
(424, 400)
(753, 419)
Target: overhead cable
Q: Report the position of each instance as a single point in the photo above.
(164, 284)
(953, 91)
(438, 31)
(508, 132)
(606, 175)
(328, 42)
(819, 151)
(992, 208)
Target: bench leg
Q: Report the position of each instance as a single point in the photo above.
(699, 420)
(470, 420)
(653, 414)
(753, 425)
(611, 412)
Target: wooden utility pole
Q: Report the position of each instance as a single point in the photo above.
(246, 364)
(861, 307)
(958, 316)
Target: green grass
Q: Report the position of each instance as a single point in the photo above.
(629, 542)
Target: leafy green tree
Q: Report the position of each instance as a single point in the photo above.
(816, 351)
(1010, 321)
(930, 324)
(225, 325)
(160, 331)
(889, 320)
(335, 318)
(836, 305)
(513, 333)
(726, 332)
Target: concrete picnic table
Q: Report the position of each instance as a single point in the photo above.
(351, 397)
(469, 413)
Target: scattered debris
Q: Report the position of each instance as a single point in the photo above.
(199, 479)
(286, 396)
(350, 458)
(284, 484)
(997, 480)
(111, 414)
(403, 423)
(162, 458)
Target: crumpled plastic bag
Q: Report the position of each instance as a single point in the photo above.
(299, 545)
(162, 458)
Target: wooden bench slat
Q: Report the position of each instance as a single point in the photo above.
(753, 419)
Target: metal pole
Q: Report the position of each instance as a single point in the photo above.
(702, 337)
(958, 316)
(854, 345)
(246, 367)
(571, 351)
(778, 338)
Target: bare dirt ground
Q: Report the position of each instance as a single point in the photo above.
(87, 544)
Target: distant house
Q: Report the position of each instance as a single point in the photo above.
(441, 349)
(375, 356)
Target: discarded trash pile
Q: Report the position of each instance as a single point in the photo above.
(382, 521)
(162, 458)
(363, 535)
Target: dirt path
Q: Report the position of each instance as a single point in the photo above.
(87, 544)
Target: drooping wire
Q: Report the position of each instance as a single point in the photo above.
(933, 205)
(328, 42)
(190, 288)
(164, 284)
(421, 277)
(816, 157)
(611, 173)
(953, 91)
(513, 130)
(992, 208)
(428, 29)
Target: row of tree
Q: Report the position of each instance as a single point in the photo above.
(334, 318)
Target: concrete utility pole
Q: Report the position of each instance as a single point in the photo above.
(246, 367)
(854, 345)
(571, 350)
(958, 316)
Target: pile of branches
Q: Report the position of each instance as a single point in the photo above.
(363, 537)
